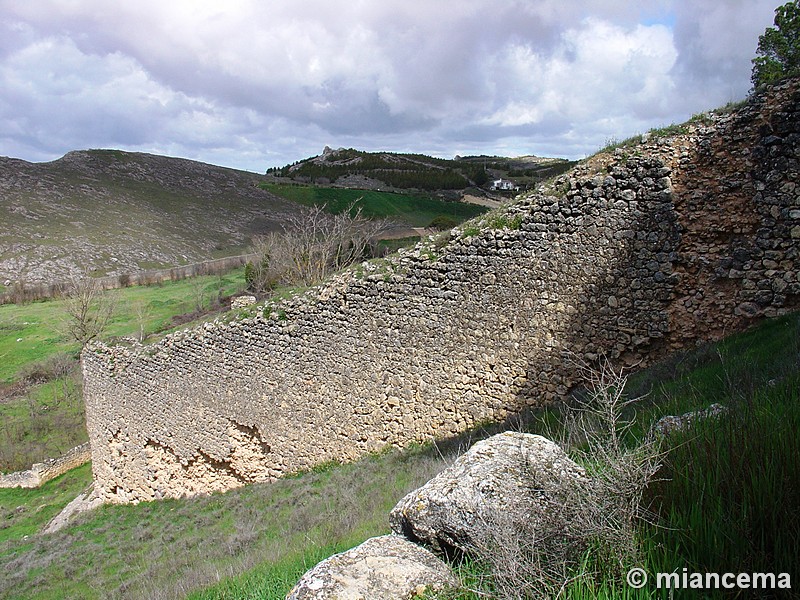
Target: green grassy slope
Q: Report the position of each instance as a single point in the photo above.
(414, 210)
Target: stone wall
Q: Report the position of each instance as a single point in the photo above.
(631, 255)
(41, 473)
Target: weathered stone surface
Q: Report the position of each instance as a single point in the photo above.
(41, 473)
(382, 568)
(689, 242)
(506, 477)
(242, 301)
(674, 423)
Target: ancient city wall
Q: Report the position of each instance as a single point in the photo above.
(41, 473)
(633, 254)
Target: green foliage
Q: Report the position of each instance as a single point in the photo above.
(43, 422)
(479, 176)
(443, 222)
(669, 130)
(613, 143)
(249, 275)
(396, 170)
(24, 512)
(414, 210)
(390, 246)
(778, 53)
(505, 221)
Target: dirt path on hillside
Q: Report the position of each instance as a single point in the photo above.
(396, 233)
(481, 201)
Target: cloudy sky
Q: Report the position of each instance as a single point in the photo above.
(258, 83)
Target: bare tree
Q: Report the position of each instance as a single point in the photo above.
(88, 309)
(141, 311)
(313, 244)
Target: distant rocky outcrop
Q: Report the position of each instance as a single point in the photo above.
(347, 167)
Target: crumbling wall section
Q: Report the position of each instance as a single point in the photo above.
(41, 473)
(631, 255)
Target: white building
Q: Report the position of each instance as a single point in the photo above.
(504, 185)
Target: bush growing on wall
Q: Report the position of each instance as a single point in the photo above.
(313, 244)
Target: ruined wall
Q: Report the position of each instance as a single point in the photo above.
(631, 255)
(41, 473)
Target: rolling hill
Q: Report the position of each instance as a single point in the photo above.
(347, 167)
(109, 212)
(112, 212)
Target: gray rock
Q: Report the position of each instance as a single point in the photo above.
(510, 477)
(672, 423)
(382, 568)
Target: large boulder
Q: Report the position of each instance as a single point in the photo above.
(504, 481)
(382, 568)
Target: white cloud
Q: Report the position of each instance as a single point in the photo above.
(259, 84)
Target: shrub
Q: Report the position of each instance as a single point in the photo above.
(590, 530)
(312, 245)
(443, 222)
(53, 367)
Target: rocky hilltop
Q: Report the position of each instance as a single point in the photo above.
(112, 212)
(448, 178)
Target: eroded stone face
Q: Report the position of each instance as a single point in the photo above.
(510, 477)
(382, 568)
(630, 256)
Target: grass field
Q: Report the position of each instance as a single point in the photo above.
(45, 417)
(727, 500)
(408, 209)
(32, 332)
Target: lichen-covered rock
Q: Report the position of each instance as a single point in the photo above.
(673, 423)
(506, 477)
(382, 568)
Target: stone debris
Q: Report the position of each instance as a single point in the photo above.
(86, 500)
(382, 568)
(672, 423)
(242, 301)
